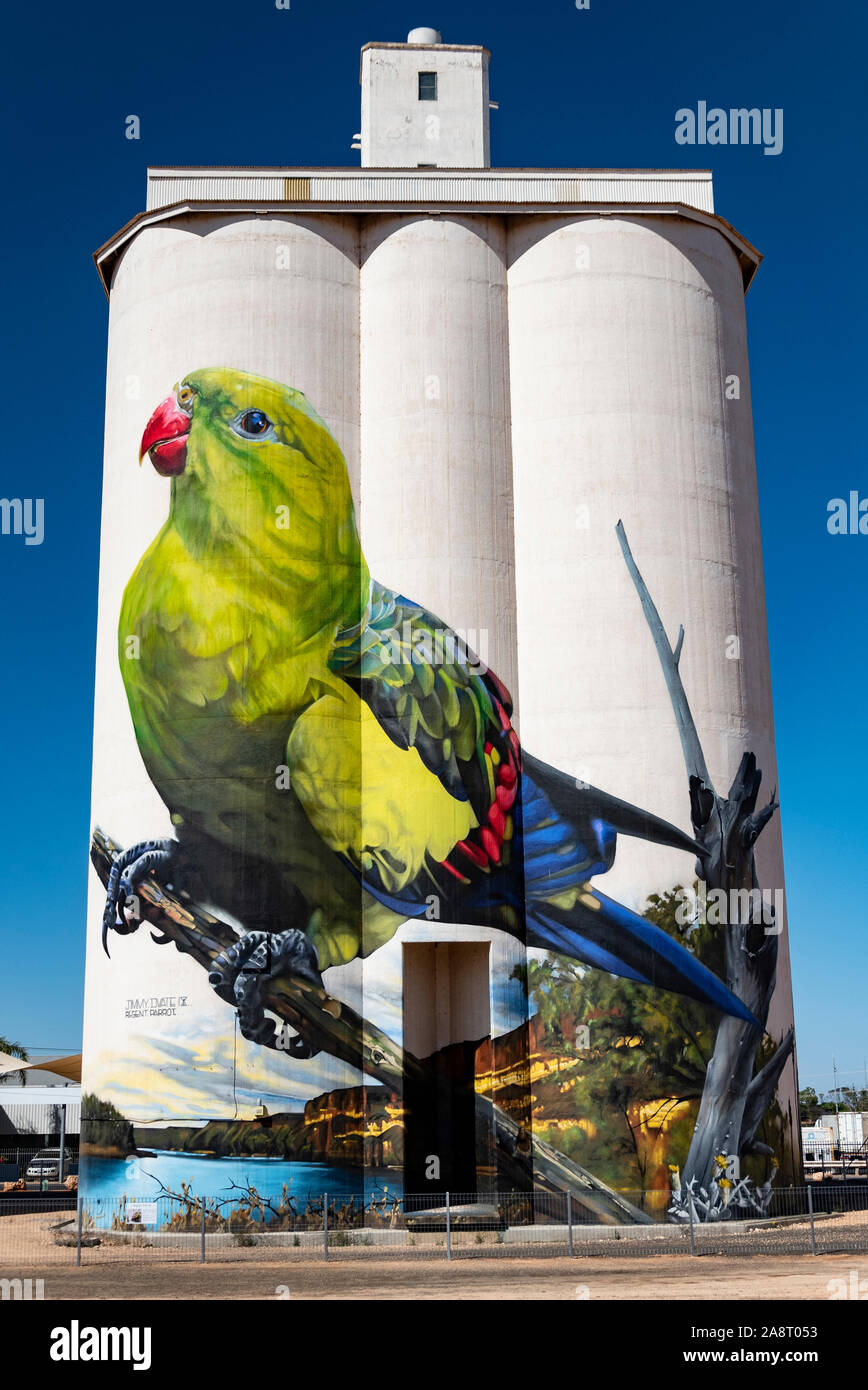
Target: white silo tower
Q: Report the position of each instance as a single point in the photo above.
(425, 104)
(511, 361)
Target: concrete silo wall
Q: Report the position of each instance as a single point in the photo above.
(624, 334)
(437, 508)
(278, 297)
(436, 494)
(504, 390)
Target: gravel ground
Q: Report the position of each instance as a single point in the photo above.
(28, 1249)
(713, 1278)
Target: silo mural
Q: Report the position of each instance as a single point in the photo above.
(423, 845)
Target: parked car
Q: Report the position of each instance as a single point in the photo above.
(46, 1164)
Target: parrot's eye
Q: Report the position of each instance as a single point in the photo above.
(184, 397)
(253, 424)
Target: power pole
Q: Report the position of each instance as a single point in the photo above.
(835, 1075)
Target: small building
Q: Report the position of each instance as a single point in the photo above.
(32, 1115)
(818, 1143)
(837, 1144)
(851, 1128)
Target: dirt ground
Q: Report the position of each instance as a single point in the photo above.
(754, 1278)
(28, 1249)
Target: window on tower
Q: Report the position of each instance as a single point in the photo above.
(427, 86)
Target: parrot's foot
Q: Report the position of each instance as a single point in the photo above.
(239, 975)
(128, 871)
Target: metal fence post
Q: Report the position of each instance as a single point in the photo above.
(811, 1215)
(448, 1229)
(570, 1222)
(78, 1231)
(202, 1259)
(690, 1209)
(325, 1225)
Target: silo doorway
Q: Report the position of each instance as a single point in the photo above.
(447, 1013)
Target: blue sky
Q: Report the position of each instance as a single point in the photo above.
(228, 83)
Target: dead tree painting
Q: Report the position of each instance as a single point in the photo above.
(734, 1099)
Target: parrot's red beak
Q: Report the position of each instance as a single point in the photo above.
(165, 438)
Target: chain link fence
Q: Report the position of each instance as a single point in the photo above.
(15, 1161)
(817, 1219)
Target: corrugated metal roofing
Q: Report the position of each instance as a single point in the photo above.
(32, 1109)
(37, 1119)
(497, 187)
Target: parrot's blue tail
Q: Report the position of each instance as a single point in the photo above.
(568, 838)
(565, 835)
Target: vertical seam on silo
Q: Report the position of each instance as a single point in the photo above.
(731, 509)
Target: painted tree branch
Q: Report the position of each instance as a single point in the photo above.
(760, 1092)
(669, 660)
(326, 1024)
(331, 1026)
(733, 1100)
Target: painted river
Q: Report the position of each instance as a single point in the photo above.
(144, 1179)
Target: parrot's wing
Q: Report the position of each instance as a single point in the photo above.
(540, 836)
(430, 692)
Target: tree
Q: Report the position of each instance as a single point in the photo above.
(13, 1050)
(644, 1046)
(848, 1098)
(104, 1127)
(746, 1064)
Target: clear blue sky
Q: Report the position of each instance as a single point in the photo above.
(232, 83)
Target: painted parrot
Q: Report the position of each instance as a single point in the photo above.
(334, 758)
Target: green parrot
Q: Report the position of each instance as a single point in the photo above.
(334, 758)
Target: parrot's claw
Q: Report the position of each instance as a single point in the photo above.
(127, 872)
(240, 973)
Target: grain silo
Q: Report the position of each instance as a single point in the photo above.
(510, 362)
